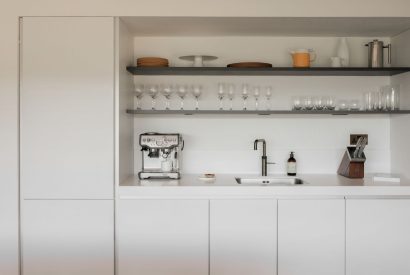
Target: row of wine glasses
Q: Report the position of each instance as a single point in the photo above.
(167, 90)
(314, 103)
(229, 90)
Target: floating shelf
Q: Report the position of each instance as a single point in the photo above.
(281, 71)
(256, 112)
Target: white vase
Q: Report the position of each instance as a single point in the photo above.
(343, 52)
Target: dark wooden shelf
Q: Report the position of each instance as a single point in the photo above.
(261, 112)
(281, 71)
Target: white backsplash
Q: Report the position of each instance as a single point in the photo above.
(225, 144)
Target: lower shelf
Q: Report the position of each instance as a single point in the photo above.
(262, 112)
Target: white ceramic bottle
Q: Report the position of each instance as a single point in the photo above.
(343, 52)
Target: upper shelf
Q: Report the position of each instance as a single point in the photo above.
(280, 71)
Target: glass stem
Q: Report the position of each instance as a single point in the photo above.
(138, 104)
(182, 103)
(197, 104)
(256, 104)
(153, 104)
(231, 107)
(220, 104)
(244, 104)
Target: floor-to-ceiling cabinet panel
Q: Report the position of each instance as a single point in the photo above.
(67, 107)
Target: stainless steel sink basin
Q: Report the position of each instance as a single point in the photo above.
(270, 181)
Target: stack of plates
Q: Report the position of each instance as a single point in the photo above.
(152, 62)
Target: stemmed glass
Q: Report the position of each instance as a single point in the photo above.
(196, 92)
(256, 94)
(167, 91)
(182, 91)
(268, 95)
(221, 95)
(245, 94)
(231, 94)
(153, 93)
(139, 94)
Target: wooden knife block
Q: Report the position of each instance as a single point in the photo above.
(352, 167)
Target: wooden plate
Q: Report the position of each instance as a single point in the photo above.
(152, 62)
(250, 65)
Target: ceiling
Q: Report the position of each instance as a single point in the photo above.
(268, 26)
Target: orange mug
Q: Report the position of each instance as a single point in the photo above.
(303, 57)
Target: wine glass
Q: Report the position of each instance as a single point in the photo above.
(221, 94)
(196, 92)
(256, 94)
(318, 103)
(268, 95)
(308, 103)
(182, 91)
(153, 93)
(330, 103)
(139, 94)
(297, 103)
(245, 94)
(167, 91)
(231, 94)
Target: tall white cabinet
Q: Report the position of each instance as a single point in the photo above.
(377, 236)
(67, 145)
(67, 107)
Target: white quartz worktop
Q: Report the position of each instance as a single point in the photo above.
(225, 186)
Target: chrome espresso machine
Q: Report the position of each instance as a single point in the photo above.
(161, 155)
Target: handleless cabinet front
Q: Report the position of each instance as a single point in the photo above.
(67, 107)
(68, 237)
(311, 237)
(243, 237)
(377, 236)
(162, 237)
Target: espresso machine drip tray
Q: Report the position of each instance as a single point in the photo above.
(158, 175)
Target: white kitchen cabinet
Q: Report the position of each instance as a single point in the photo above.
(377, 237)
(163, 237)
(311, 237)
(67, 237)
(67, 107)
(243, 237)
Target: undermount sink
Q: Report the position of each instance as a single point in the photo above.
(270, 181)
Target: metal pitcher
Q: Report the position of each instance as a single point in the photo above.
(376, 58)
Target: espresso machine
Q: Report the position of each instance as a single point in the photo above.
(161, 155)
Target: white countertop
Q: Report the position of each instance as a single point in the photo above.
(225, 186)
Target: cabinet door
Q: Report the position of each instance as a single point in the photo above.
(67, 107)
(377, 237)
(243, 237)
(163, 237)
(67, 237)
(311, 237)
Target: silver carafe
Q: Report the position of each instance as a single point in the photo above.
(376, 49)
